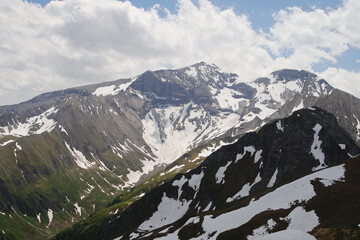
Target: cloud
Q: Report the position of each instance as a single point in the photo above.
(347, 81)
(315, 36)
(69, 43)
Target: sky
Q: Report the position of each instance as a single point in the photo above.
(52, 45)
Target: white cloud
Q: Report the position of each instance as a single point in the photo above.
(347, 81)
(74, 42)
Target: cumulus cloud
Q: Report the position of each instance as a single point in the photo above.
(348, 81)
(74, 42)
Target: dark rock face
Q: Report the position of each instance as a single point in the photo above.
(183, 85)
(247, 91)
(290, 74)
(287, 152)
(35, 106)
(284, 148)
(346, 108)
(163, 92)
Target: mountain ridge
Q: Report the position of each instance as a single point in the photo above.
(113, 133)
(234, 176)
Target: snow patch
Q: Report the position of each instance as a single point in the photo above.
(165, 230)
(283, 197)
(112, 89)
(262, 231)
(179, 183)
(273, 179)
(270, 97)
(173, 169)
(357, 128)
(316, 150)
(298, 107)
(171, 236)
(326, 182)
(103, 166)
(195, 181)
(192, 72)
(77, 209)
(250, 149)
(33, 125)
(62, 129)
(245, 190)
(38, 217)
(220, 174)
(257, 156)
(192, 220)
(140, 195)
(50, 216)
(18, 146)
(133, 235)
(79, 157)
(225, 98)
(342, 146)
(169, 211)
(207, 208)
(288, 234)
(6, 143)
(110, 184)
(209, 150)
(134, 176)
(301, 220)
(279, 126)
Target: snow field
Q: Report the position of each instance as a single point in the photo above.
(112, 89)
(171, 210)
(33, 125)
(281, 198)
(161, 134)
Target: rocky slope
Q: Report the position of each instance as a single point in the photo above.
(68, 153)
(280, 181)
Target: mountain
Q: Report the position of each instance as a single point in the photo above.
(68, 153)
(283, 179)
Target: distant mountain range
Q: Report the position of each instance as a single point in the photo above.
(67, 154)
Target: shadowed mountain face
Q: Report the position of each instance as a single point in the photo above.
(262, 179)
(68, 153)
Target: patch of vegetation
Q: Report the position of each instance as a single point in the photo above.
(337, 233)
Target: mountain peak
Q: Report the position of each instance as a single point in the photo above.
(293, 73)
(285, 75)
(204, 64)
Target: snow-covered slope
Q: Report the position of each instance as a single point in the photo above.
(285, 197)
(199, 103)
(264, 183)
(103, 138)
